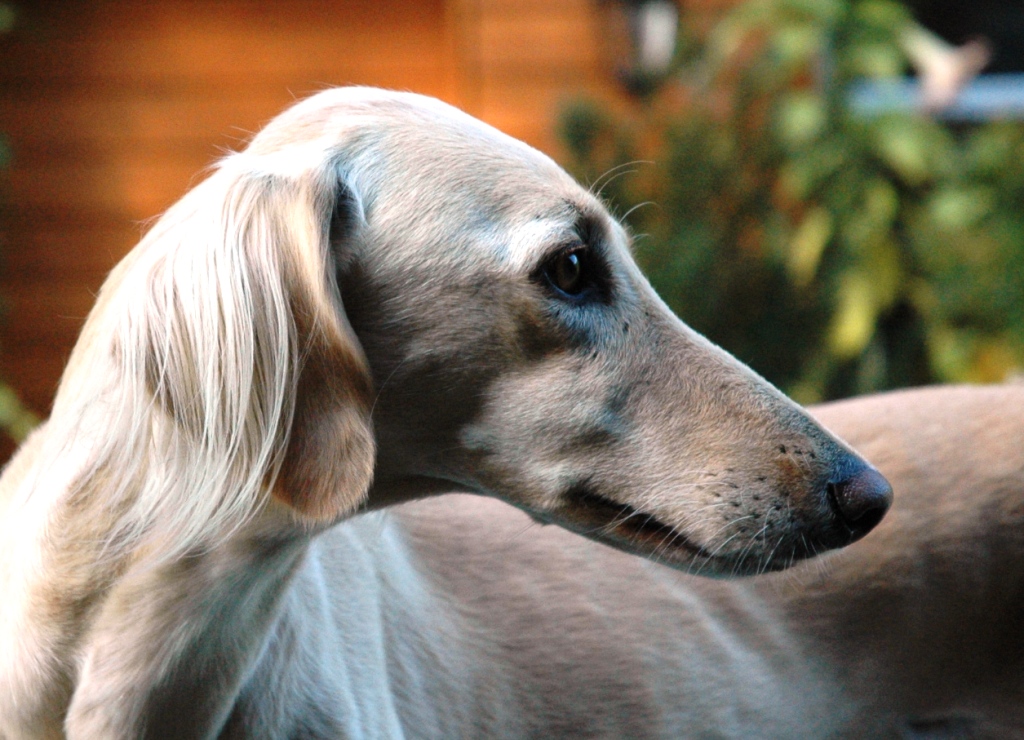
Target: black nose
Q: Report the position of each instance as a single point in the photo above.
(861, 500)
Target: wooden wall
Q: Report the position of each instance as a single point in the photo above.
(113, 107)
(519, 60)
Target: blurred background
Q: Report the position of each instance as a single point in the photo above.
(831, 189)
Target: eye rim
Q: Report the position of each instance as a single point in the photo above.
(584, 284)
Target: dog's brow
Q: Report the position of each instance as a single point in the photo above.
(587, 227)
(527, 245)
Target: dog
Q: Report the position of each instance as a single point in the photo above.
(379, 299)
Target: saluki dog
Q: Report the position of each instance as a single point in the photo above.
(379, 299)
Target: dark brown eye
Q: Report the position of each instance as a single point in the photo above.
(567, 273)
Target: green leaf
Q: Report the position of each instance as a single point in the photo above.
(879, 60)
(882, 14)
(15, 419)
(872, 215)
(956, 208)
(901, 142)
(800, 118)
(883, 263)
(823, 12)
(7, 17)
(796, 45)
(854, 321)
(951, 351)
(808, 245)
(800, 176)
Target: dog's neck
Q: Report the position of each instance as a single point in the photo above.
(118, 654)
(390, 490)
(182, 634)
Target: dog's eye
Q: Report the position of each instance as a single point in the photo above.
(568, 272)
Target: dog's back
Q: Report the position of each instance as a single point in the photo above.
(489, 624)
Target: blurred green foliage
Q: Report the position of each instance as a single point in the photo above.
(836, 253)
(15, 419)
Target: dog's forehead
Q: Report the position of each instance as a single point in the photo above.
(424, 166)
(402, 130)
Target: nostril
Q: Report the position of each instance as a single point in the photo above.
(861, 500)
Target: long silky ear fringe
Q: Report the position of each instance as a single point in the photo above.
(206, 356)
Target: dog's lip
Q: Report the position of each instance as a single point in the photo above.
(611, 520)
(626, 527)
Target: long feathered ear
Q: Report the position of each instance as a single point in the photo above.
(250, 355)
(328, 464)
(217, 369)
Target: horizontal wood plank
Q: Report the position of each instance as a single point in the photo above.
(558, 39)
(165, 63)
(44, 254)
(56, 19)
(34, 373)
(134, 189)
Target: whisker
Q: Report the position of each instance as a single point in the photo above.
(613, 173)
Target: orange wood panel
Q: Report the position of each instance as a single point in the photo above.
(198, 40)
(127, 189)
(560, 40)
(65, 304)
(37, 372)
(39, 251)
(528, 57)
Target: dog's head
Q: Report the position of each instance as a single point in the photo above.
(441, 307)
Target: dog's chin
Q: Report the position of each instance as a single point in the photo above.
(639, 533)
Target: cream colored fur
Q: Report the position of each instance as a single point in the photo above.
(359, 310)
